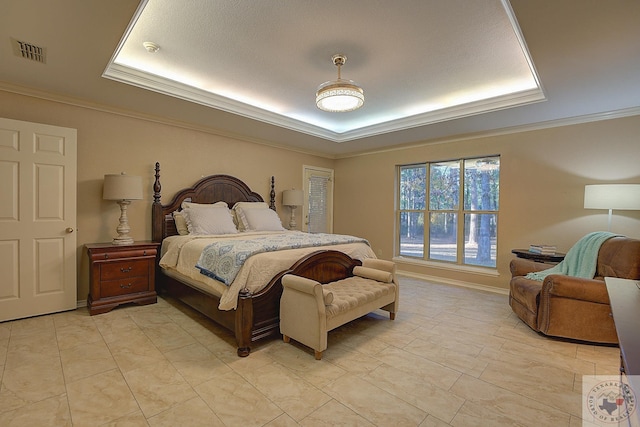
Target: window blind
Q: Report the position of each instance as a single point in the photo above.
(318, 192)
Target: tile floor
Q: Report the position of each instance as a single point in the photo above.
(453, 356)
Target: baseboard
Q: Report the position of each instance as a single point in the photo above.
(460, 283)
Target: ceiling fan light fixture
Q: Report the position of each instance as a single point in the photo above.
(339, 95)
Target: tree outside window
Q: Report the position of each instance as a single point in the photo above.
(462, 225)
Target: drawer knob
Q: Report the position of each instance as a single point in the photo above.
(127, 286)
(125, 270)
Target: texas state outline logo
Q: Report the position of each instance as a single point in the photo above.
(607, 401)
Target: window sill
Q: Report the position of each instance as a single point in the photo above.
(482, 271)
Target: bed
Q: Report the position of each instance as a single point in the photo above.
(254, 312)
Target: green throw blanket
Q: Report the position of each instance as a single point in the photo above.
(580, 261)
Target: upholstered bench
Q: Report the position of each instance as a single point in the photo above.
(309, 309)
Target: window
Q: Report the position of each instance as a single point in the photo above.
(459, 201)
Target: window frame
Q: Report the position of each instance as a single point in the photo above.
(461, 214)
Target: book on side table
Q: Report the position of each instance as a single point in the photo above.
(543, 249)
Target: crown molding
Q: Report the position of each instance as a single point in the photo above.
(82, 103)
(53, 97)
(575, 120)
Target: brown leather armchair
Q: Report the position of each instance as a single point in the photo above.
(571, 307)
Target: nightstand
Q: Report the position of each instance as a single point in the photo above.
(120, 274)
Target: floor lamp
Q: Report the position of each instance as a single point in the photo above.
(612, 196)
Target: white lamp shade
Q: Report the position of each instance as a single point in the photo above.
(122, 187)
(612, 196)
(292, 198)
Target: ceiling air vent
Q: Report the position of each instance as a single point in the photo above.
(29, 51)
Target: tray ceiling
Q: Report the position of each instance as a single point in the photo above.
(419, 62)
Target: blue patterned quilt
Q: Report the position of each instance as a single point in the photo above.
(222, 260)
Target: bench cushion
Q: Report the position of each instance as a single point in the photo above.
(355, 292)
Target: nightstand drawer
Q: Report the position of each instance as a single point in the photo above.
(112, 288)
(112, 254)
(124, 269)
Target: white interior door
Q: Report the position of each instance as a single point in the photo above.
(317, 207)
(37, 219)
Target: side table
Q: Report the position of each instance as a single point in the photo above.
(549, 259)
(120, 274)
(624, 296)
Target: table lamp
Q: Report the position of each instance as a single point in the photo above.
(293, 199)
(122, 188)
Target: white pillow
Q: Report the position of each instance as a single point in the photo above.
(186, 205)
(213, 220)
(250, 205)
(181, 223)
(262, 220)
(239, 209)
(220, 204)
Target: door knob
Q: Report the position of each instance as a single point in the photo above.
(69, 230)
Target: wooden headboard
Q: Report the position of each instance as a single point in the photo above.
(211, 189)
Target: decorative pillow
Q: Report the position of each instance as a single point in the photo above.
(327, 296)
(373, 274)
(220, 204)
(181, 223)
(213, 220)
(261, 220)
(240, 207)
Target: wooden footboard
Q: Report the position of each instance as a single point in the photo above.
(258, 315)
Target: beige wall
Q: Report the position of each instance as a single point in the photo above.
(113, 143)
(542, 177)
(543, 173)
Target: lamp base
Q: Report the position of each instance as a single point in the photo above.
(123, 228)
(122, 240)
(292, 221)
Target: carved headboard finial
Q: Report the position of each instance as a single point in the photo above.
(156, 185)
(272, 194)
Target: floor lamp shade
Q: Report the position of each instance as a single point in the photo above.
(293, 199)
(122, 188)
(612, 196)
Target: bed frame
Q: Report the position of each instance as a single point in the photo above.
(257, 315)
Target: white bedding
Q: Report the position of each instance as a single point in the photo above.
(181, 253)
